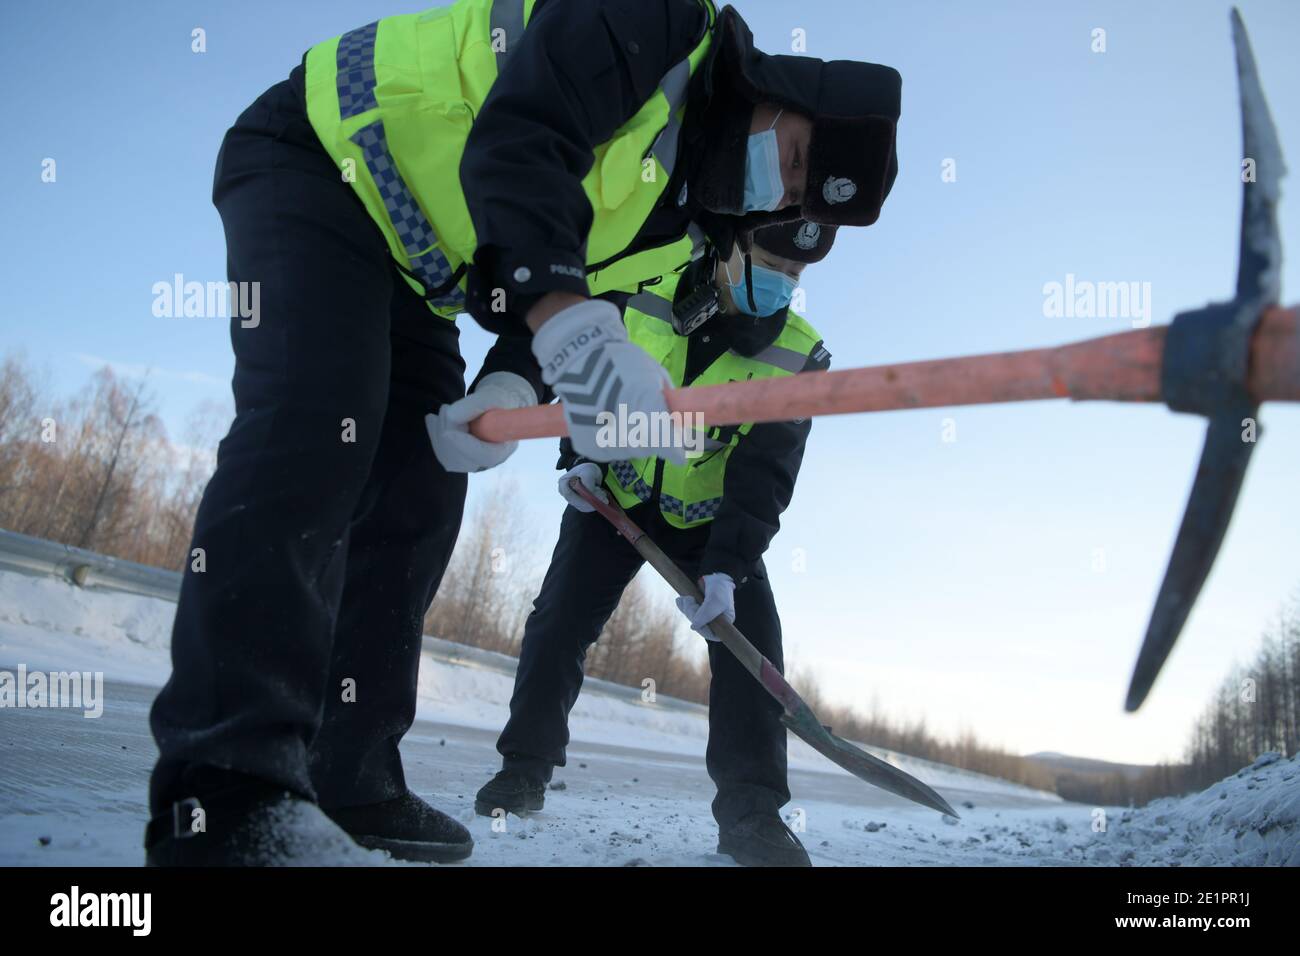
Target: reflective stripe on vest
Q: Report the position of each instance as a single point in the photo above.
(788, 359)
(508, 17)
(697, 237)
(356, 64)
(695, 511)
(673, 86)
(413, 230)
(629, 479)
(356, 85)
(652, 305)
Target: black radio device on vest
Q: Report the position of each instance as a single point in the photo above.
(697, 298)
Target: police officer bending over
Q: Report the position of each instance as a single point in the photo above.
(520, 160)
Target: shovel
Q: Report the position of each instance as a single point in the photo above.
(797, 715)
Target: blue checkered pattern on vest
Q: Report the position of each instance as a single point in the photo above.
(414, 230)
(696, 511)
(356, 89)
(700, 510)
(356, 70)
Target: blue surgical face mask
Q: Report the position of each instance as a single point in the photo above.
(764, 187)
(772, 290)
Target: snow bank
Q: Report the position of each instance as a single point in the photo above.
(50, 624)
(1249, 819)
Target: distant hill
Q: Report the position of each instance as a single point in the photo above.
(1065, 763)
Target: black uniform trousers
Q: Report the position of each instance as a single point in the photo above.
(327, 526)
(591, 567)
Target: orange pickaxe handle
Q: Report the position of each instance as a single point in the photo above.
(1123, 368)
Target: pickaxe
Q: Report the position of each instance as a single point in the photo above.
(1221, 361)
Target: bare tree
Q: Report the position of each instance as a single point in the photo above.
(96, 471)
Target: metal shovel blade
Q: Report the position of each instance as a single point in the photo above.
(803, 723)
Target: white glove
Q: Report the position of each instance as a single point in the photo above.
(455, 447)
(719, 598)
(589, 474)
(586, 357)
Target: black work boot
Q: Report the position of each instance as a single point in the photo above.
(406, 827)
(512, 791)
(237, 820)
(762, 839)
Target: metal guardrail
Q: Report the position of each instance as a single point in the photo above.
(99, 572)
(86, 569)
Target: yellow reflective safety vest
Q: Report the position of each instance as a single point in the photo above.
(393, 102)
(690, 494)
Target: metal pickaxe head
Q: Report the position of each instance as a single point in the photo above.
(1204, 371)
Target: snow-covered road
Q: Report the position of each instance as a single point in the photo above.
(72, 789)
(81, 784)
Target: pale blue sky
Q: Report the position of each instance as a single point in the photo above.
(950, 580)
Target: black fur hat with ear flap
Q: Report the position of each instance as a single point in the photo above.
(799, 241)
(854, 107)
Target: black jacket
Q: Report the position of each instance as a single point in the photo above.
(582, 69)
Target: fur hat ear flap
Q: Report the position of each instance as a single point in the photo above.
(854, 106)
(852, 164)
(718, 183)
